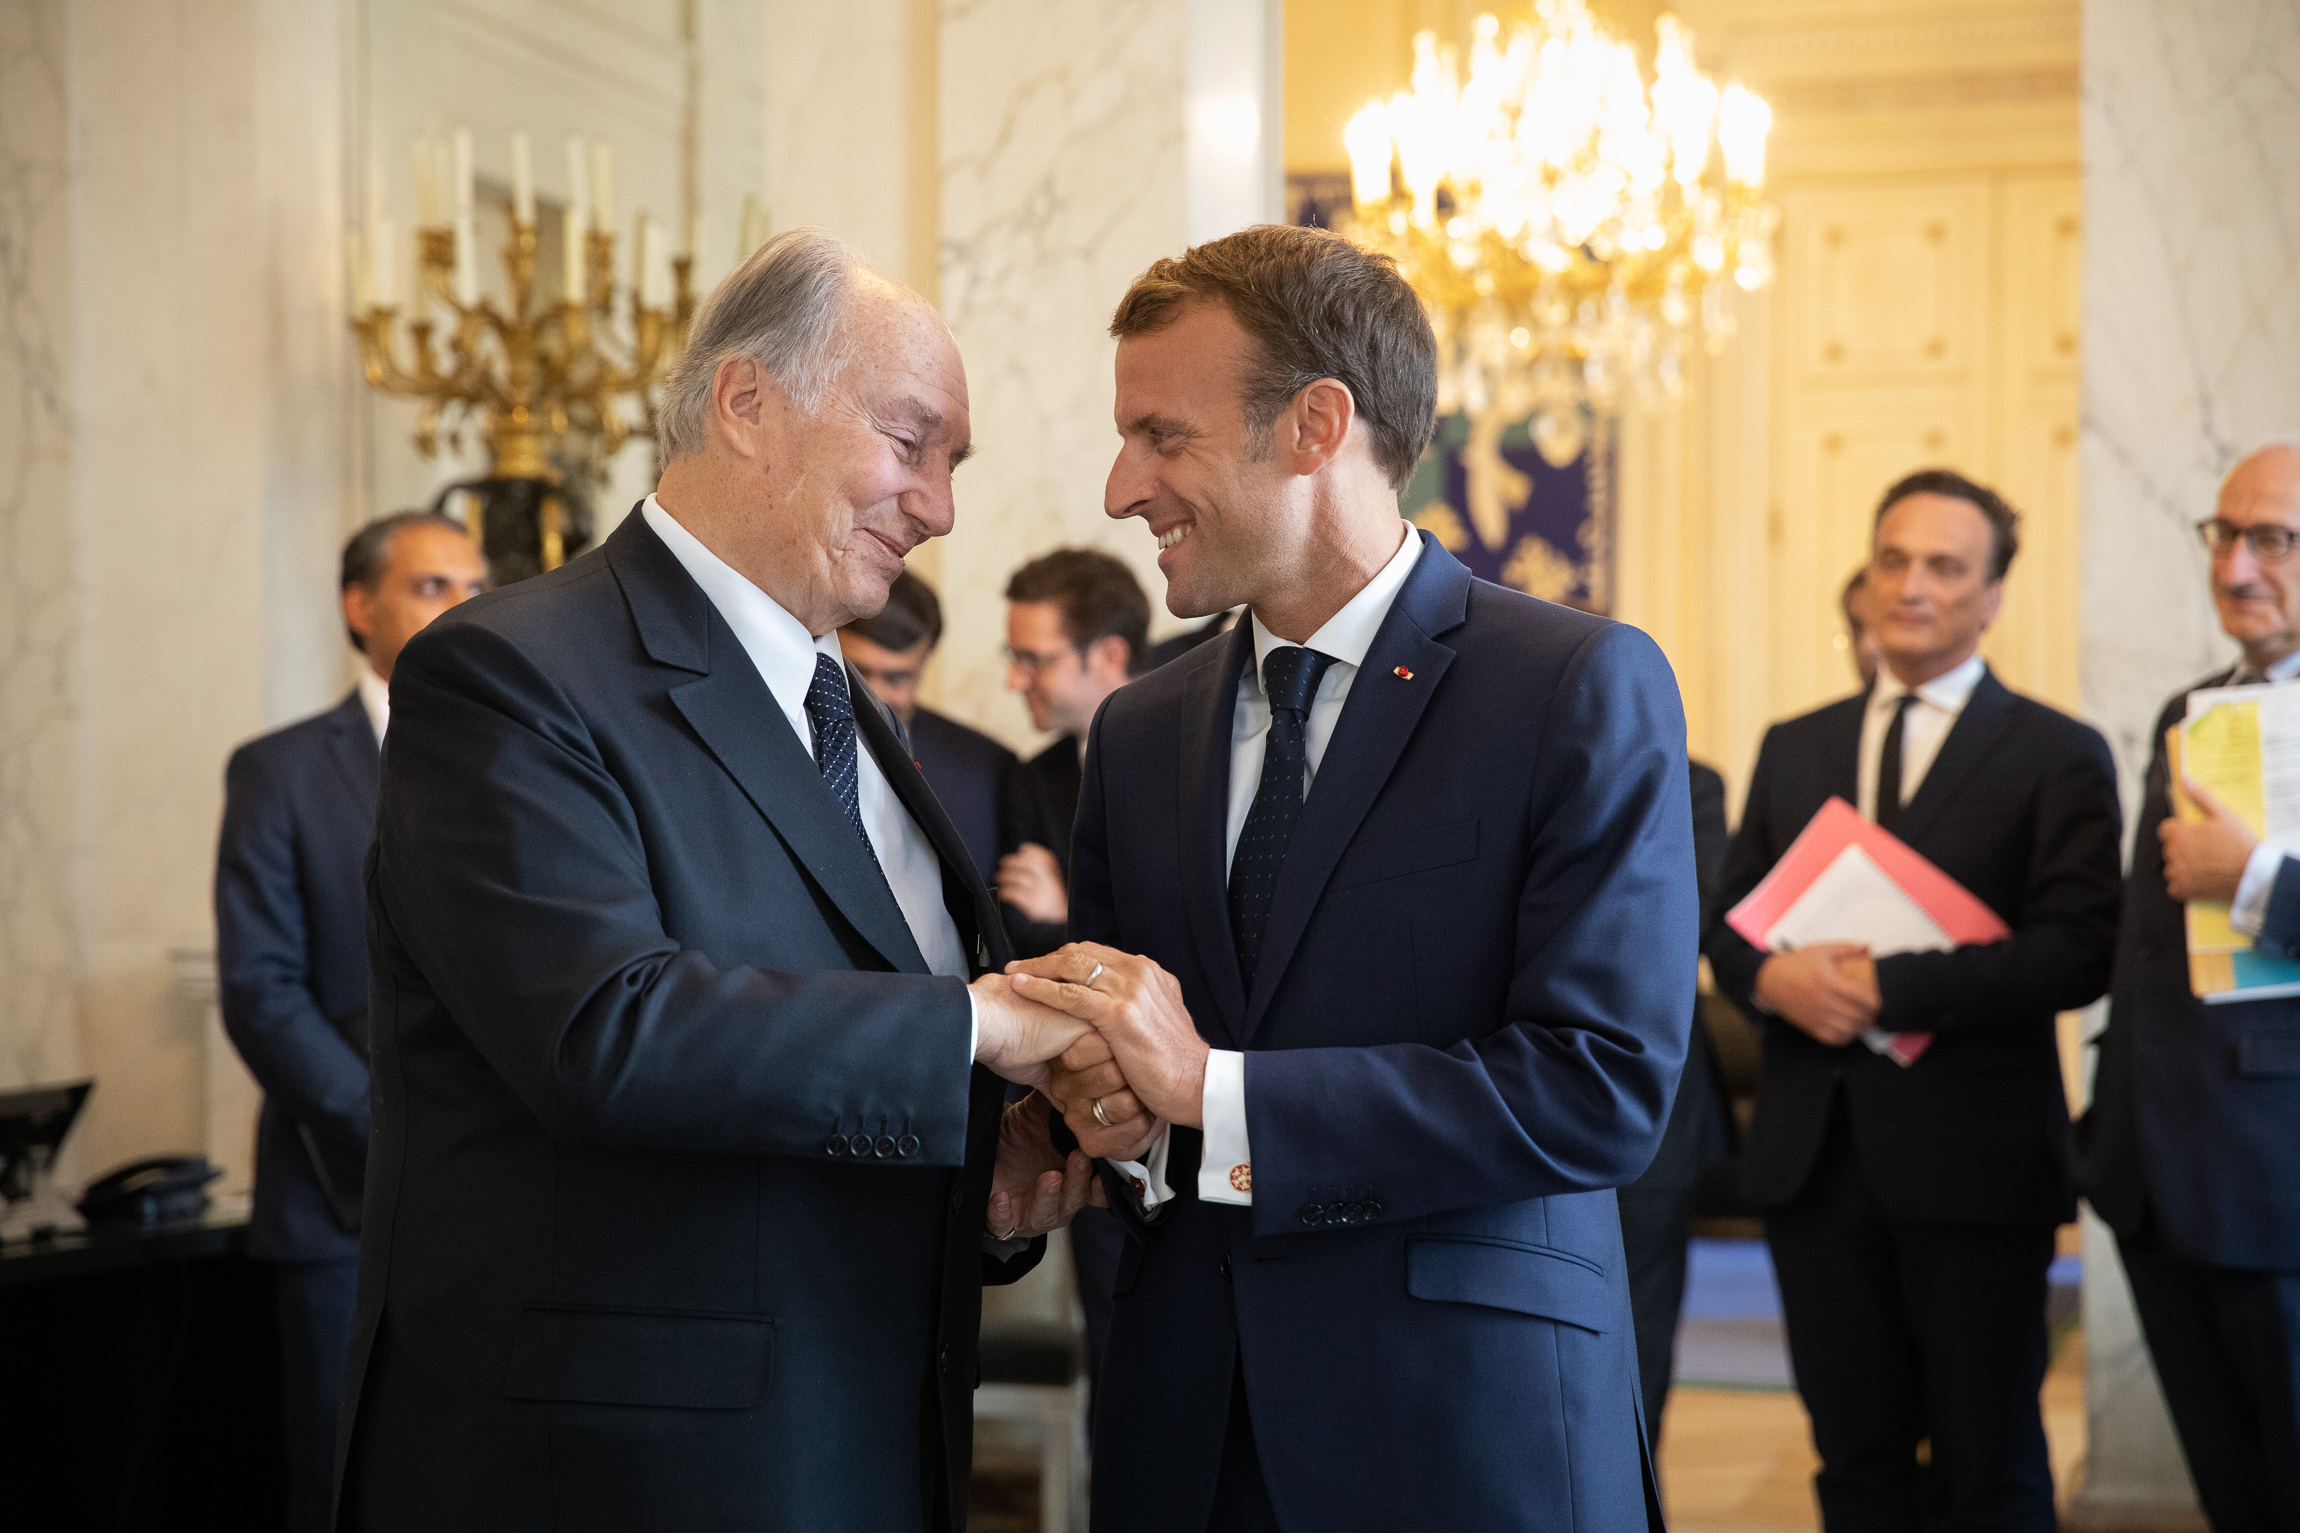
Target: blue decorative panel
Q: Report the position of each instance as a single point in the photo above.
(1498, 505)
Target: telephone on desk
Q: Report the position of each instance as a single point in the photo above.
(151, 1193)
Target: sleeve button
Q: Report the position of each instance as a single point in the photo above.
(858, 1145)
(883, 1146)
(1313, 1214)
(906, 1146)
(835, 1145)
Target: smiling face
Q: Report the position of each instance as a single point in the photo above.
(818, 509)
(1189, 467)
(1929, 593)
(2259, 600)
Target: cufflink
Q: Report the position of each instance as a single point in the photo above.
(1242, 1178)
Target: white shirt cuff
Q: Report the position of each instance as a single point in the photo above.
(1226, 1169)
(973, 1028)
(1146, 1178)
(2248, 912)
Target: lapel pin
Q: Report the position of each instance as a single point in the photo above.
(1402, 674)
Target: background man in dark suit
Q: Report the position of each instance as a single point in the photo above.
(1657, 1208)
(1077, 629)
(2188, 1148)
(1408, 861)
(685, 1182)
(966, 768)
(1912, 1209)
(291, 956)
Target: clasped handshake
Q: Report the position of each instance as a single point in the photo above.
(1105, 1040)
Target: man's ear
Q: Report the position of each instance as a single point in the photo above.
(1109, 656)
(1317, 425)
(740, 400)
(359, 609)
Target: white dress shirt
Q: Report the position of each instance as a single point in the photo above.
(1225, 1167)
(1930, 718)
(375, 697)
(2248, 912)
(784, 652)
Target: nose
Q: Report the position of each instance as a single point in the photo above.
(1129, 486)
(2239, 566)
(933, 506)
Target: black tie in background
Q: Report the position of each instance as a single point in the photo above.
(1289, 679)
(1889, 767)
(832, 713)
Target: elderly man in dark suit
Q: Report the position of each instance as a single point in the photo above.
(1407, 863)
(291, 956)
(690, 1158)
(2188, 1148)
(1911, 1206)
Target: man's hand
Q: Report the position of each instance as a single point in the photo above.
(1087, 1076)
(1828, 990)
(1138, 1007)
(1015, 1035)
(1032, 1189)
(1030, 880)
(2205, 860)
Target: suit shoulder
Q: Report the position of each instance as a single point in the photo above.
(2065, 732)
(958, 739)
(553, 616)
(287, 744)
(1160, 693)
(1819, 725)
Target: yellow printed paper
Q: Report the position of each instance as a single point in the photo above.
(2219, 750)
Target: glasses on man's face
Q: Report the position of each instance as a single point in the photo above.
(2271, 542)
(1035, 664)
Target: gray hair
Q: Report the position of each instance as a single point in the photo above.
(785, 309)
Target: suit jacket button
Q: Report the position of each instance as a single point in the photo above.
(835, 1145)
(1226, 1269)
(1313, 1214)
(942, 1358)
(883, 1146)
(906, 1146)
(859, 1144)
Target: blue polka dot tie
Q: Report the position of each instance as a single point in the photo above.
(832, 713)
(1289, 680)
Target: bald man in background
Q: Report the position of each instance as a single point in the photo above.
(2187, 1151)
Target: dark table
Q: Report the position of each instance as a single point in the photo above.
(142, 1381)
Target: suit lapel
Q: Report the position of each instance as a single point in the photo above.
(1377, 721)
(351, 745)
(740, 723)
(963, 889)
(1845, 750)
(1208, 717)
(1985, 716)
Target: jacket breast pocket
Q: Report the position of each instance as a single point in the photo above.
(1532, 1280)
(641, 1357)
(2270, 1051)
(1419, 851)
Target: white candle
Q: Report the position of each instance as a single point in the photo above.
(522, 180)
(602, 189)
(754, 229)
(462, 174)
(466, 263)
(654, 265)
(574, 223)
(360, 301)
(374, 191)
(382, 269)
(426, 185)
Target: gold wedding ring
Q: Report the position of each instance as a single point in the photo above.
(1100, 1116)
(1091, 978)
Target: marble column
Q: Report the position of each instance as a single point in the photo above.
(1080, 141)
(2191, 335)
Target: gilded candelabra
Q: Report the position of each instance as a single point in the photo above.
(540, 382)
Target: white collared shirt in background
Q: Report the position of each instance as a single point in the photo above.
(2248, 912)
(1930, 719)
(1225, 1173)
(375, 697)
(784, 652)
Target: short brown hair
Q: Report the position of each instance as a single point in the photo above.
(1097, 595)
(912, 613)
(2003, 520)
(1317, 306)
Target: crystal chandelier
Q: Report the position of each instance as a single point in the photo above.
(1569, 228)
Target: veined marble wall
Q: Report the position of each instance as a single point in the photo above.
(39, 706)
(2191, 360)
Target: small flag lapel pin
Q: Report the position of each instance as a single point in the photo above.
(1402, 674)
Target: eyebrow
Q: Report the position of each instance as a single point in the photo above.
(929, 419)
(1162, 425)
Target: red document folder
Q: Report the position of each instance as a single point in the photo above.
(1846, 880)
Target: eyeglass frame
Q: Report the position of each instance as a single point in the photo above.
(1038, 664)
(2220, 537)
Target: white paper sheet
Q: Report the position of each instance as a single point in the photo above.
(1855, 901)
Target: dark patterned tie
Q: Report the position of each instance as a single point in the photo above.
(832, 713)
(1889, 767)
(1289, 679)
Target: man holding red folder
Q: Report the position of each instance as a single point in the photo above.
(1911, 1206)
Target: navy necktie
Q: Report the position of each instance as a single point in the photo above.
(832, 713)
(1889, 767)
(1289, 680)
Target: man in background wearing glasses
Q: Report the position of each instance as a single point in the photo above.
(2187, 1152)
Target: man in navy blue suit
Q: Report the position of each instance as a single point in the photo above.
(2196, 1108)
(969, 771)
(1407, 862)
(291, 951)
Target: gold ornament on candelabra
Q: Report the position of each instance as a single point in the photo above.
(1570, 232)
(552, 386)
